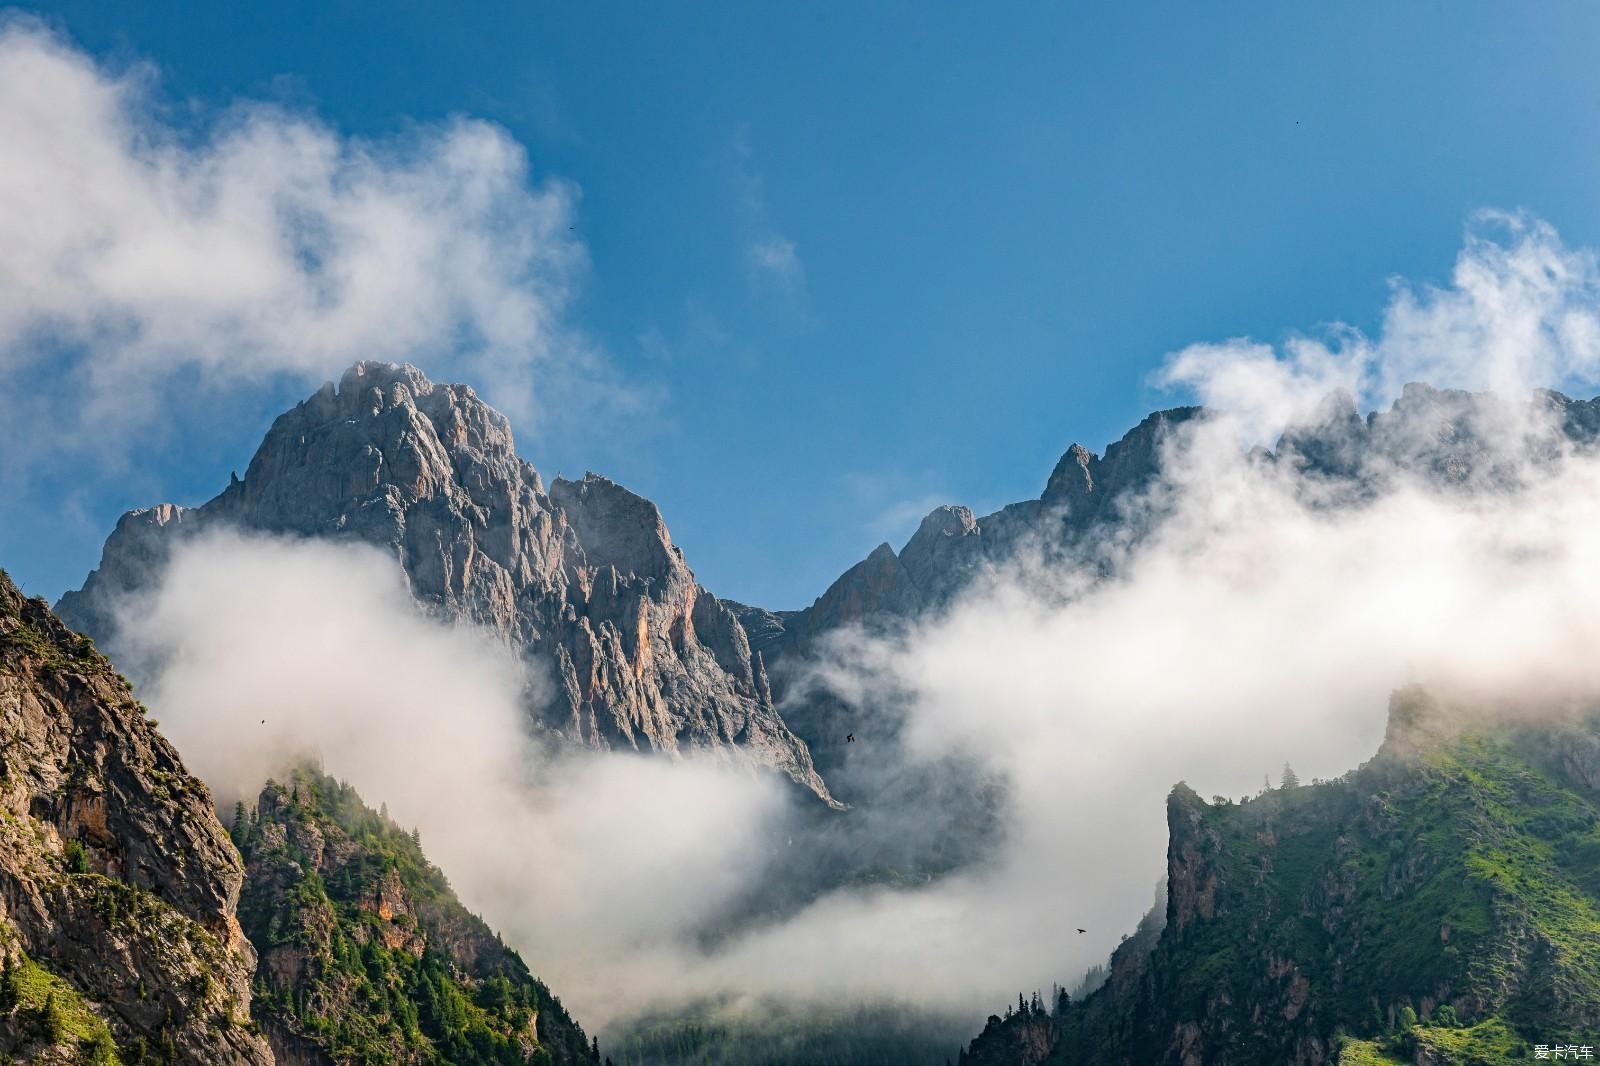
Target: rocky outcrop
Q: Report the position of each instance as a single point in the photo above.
(583, 577)
(1023, 1038)
(117, 882)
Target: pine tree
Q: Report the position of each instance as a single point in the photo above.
(10, 984)
(1290, 779)
(102, 1051)
(55, 1019)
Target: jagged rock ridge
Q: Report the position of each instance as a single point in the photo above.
(584, 576)
(117, 882)
(1448, 437)
(951, 547)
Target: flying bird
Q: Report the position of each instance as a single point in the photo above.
(1083, 930)
(850, 738)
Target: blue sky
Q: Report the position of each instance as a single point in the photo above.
(848, 261)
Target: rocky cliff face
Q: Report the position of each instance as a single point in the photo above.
(367, 955)
(1438, 905)
(583, 576)
(117, 882)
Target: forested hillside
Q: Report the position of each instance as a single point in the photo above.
(367, 957)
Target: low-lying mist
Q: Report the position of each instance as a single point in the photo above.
(268, 651)
(1255, 623)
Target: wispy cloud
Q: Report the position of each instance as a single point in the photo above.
(697, 334)
(776, 256)
(772, 259)
(894, 502)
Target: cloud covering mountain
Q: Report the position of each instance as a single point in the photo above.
(1229, 611)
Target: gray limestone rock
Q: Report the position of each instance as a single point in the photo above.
(582, 578)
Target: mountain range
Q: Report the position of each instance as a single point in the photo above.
(364, 955)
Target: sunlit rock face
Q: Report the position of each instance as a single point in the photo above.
(118, 885)
(582, 577)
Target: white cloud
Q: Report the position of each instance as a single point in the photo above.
(771, 258)
(1253, 629)
(601, 868)
(256, 242)
(776, 256)
(1522, 311)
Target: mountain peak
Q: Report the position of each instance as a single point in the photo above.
(585, 577)
(1072, 476)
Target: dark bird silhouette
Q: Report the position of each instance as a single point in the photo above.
(850, 738)
(1083, 930)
